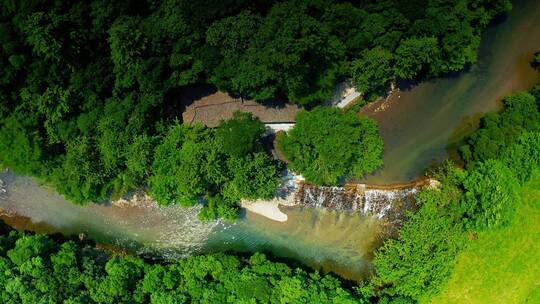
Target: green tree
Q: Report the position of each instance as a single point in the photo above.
(138, 160)
(121, 282)
(289, 51)
(373, 71)
(127, 46)
(219, 207)
(177, 170)
(326, 145)
(499, 130)
(223, 165)
(253, 177)
(20, 146)
(101, 74)
(414, 57)
(523, 158)
(81, 176)
(490, 194)
(419, 262)
(240, 135)
(28, 247)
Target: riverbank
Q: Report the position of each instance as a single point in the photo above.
(269, 209)
(424, 122)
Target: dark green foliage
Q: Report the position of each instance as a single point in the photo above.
(225, 164)
(500, 130)
(326, 145)
(178, 174)
(373, 71)
(421, 259)
(81, 176)
(36, 269)
(20, 145)
(240, 135)
(253, 177)
(90, 84)
(288, 51)
(523, 157)
(536, 60)
(219, 207)
(511, 136)
(415, 56)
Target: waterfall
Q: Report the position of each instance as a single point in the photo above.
(388, 204)
(3, 191)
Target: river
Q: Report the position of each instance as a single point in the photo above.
(419, 126)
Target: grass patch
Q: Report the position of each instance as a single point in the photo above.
(501, 266)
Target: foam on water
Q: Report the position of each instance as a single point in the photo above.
(380, 203)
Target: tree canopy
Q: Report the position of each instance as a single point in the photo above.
(500, 130)
(39, 269)
(224, 165)
(90, 88)
(536, 61)
(327, 145)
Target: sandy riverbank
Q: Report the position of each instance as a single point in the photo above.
(268, 209)
(284, 196)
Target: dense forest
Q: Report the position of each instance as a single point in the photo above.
(499, 158)
(89, 91)
(40, 269)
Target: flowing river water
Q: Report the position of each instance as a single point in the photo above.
(419, 126)
(422, 125)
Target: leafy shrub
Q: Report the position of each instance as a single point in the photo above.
(499, 130)
(421, 259)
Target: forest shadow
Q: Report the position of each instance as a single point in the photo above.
(176, 100)
(408, 85)
(468, 125)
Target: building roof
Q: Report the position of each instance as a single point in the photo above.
(210, 110)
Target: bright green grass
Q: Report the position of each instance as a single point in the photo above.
(502, 266)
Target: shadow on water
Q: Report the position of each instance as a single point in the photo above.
(411, 84)
(459, 135)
